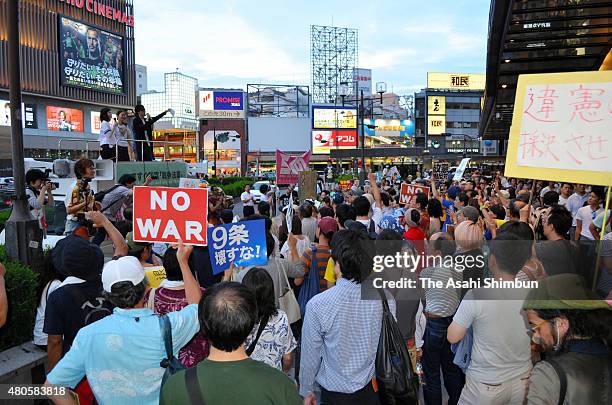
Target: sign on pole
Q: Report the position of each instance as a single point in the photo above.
(440, 171)
(408, 192)
(288, 167)
(461, 169)
(308, 185)
(163, 214)
(562, 128)
(242, 243)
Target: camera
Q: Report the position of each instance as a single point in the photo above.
(48, 180)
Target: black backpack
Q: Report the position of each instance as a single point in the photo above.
(93, 309)
(99, 196)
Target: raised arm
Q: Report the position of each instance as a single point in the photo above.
(192, 287)
(434, 190)
(375, 191)
(100, 220)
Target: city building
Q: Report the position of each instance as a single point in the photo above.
(447, 116)
(141, 80)
(62, 43)
(175, 135)
(540, 37)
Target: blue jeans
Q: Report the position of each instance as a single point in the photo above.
(437, 354)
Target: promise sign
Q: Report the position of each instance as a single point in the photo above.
(408, 193)
(164, 214)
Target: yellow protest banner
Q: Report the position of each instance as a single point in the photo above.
(562, 128)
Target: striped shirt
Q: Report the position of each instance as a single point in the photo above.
(444, 301)
(323, 255)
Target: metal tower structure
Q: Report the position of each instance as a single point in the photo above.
(333, 58)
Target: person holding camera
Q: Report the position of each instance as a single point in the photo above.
(39, 190)
(80, 199)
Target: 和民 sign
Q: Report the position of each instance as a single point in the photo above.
(561, 128)
(240, 243)
(164, 214)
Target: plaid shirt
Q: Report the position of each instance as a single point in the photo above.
(339, 339)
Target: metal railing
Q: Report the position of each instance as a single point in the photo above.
(142, 141)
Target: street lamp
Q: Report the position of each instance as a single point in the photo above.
(220, 137)
(381, 88)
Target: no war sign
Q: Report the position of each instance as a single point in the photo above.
(242, 243)
(165, 214)
(408, 193)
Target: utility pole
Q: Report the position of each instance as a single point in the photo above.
(23, 234)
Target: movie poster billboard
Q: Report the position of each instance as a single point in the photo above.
(90, 57)
(64, 119)
(28, 115)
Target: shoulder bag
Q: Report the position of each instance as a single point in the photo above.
(170, 363)
(287, 301)
(394, 375)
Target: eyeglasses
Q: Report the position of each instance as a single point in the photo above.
(533, 329)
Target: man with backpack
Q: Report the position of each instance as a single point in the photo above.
(78, 301)
(128, 354)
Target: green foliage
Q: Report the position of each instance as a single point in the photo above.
(4, 215)
(20, 283)
(229, 180)
(235, 189)
(345, 177)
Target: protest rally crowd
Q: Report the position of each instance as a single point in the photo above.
(127, 322)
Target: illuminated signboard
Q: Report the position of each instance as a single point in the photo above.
(28, 115)
(90, 58)
(436, 125)
(221, 104)
(64, 119)
(389, 128)
(459, 81)
(95, 121)
(324, 117)
(100, 9)
(436, 105)
(324, 141)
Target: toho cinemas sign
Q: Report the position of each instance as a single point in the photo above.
(101, 9)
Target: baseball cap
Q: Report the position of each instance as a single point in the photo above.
(77, 257)
(392, 223)
(356, 193)
(126, 268)
(328, 224)
(453, 191)
(470, 213)
(338, 198)
(135, 247)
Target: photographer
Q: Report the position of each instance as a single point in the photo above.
(40, 193)
(114, 199)
(80, 199)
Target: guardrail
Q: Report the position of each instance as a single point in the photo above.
(141, 141)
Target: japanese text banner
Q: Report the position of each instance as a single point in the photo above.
(241, 243)
(288, 167)
(562, 128)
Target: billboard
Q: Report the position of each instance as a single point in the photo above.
(64, 119)
(459, 81)
(436, 105)
(95, 121)
(363, 78)
(389, 128)
(324, 117)
(28, 115)
(90, 57)
(221, 104)
(324, 141)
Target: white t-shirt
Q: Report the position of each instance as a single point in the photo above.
(587, 215)
(563, 200)
(247, 196)
(574, 203)
(40, 338)
(106, 137)
(501, 350)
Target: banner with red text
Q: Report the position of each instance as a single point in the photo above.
(288, 167)
(408, 193)
(165, 214)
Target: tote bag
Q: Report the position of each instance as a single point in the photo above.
(287, 302)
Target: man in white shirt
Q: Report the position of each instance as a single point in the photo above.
(565, 193)
(248, 200)
(574, 202)
(500, 364)
(585, 215)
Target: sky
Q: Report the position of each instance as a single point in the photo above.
(231, 43)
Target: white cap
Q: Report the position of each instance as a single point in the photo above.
(126, 268)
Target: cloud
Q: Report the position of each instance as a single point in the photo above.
(211, 46)
(386, 58)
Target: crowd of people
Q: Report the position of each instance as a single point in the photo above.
(299, 330)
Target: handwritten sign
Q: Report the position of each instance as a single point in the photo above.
(408, 193)
(242, 243)
(440, 171)
(288, 167)
(562, 128)
(189, 183)
(461, 169)
(164, 214)
(308, 185)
